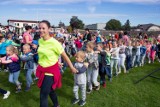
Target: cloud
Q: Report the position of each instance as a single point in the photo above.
(43, 9)
(92, 9)
(24, 10)
(54, 2)
(59, 2)
(134, 1)
(62, 15)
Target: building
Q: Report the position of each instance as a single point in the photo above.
(19, 25)
(97, 26)
(146, 27)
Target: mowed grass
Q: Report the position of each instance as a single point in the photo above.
(121, 92)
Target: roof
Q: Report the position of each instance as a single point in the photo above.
(146, 26)
(29, 21)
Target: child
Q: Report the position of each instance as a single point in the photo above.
(35, 56)
(98, 37)
(3, 46)
(122, 57)
(80, 78)
(137, 61)
(134, 51)
(158, 51)
(9, 39)
(92, 59)
(104, 63)
(5, 93)
(114, 57)
(13, 63)
(148, 46)
(78, 43)
(128, 52)
(143, 53)
(153, 50)
(29, 65)
(61, 62)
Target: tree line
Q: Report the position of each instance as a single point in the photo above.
(112, 24)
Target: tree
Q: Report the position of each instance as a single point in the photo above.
(113, 24)
(61, 24)
(69, 29)
(76, 23)
(127, 26)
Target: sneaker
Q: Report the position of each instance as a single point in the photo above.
(82, 103)
(75, 101)
(27, 89)
(101, 82)
(97, 87)
(89, 91)
(119, 72)
(6, 95)
(140, 64)
(104, 85)
(149, 62)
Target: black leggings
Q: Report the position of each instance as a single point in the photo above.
(158, 53)
(46, 89)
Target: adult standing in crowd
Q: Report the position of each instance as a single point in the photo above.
(27, 38)
(87, 36)
(125, 38)
(48, 70)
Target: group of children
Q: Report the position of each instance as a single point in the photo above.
(98, 59)
(105, 59)
(11, 59)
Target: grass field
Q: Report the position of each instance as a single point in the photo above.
(122, 92)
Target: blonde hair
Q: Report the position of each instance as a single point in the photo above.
(26, 45)
(91, 45)
(13, 49)
(81, 54)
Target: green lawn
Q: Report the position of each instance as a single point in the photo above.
(122, 92)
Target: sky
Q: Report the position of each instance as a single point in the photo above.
(89, 11)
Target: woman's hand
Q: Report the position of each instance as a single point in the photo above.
(74, 70)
